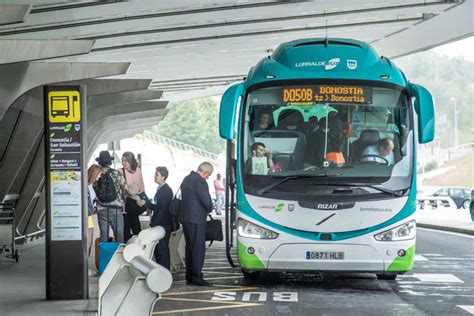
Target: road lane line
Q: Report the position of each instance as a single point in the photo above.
(437, 277)
(228, 273)
(204, 309)
(223, 305)
(217, 278)
(420, 258)
(467, 308)
(449, 233)
(218, 267)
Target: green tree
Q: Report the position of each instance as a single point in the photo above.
(446, 78)
(195, 122)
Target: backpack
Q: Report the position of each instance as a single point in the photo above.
(105, 188)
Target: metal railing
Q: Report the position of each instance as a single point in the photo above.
(178, 145)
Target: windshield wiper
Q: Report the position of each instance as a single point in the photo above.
(397, 193)
(264, 190)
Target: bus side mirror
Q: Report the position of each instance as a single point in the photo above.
(228, 111)
(424, 107)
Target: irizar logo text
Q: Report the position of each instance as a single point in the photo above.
(328, 65)
(327, 206)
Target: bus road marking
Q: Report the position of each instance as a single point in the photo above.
(467, 308)
(437, 277)
(420, 258)
(223, 305)
(260, 296)
(225, 288)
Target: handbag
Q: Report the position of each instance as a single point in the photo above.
(214, 230)
(175, 205)
(131, 206)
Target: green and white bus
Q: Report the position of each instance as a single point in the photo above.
(321, 160)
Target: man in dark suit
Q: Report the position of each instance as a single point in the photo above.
(161, 216)
(196, 203)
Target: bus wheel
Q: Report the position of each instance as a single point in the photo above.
(383, 276)
(251, 275)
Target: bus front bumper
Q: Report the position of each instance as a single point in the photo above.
(392, 257)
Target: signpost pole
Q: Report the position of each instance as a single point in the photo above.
(66, 193)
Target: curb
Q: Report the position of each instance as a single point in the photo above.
(447, 228)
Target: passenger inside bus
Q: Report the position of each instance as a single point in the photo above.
(291, 120)
(261, 161)
(312, 126)
(318, 143)
(264, 121)
(297, 144)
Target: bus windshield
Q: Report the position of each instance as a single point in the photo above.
(341, 132)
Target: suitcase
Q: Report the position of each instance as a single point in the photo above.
(104, 251)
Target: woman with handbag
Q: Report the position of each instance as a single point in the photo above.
(136, 199)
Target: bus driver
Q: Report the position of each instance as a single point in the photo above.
(382, 152)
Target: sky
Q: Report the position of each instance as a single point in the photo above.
(463, 48)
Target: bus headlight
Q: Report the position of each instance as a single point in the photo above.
(250, 230)
(405, 231)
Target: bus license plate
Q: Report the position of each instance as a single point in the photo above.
(324, 255)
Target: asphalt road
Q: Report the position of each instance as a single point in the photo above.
(441, 283)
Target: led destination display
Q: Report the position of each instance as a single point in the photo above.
(328, 93)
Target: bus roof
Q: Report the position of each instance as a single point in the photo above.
(321, 58)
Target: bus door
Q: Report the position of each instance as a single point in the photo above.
(230, 201)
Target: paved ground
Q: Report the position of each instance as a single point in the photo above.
(22, 287)
(442, 283)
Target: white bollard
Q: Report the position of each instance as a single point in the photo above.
(133, 277)
(147, 236)
(158, 278)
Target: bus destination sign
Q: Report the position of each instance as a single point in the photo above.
(308, 95)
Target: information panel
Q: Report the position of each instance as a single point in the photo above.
(327, 94)
(66, 245)
(64, 114)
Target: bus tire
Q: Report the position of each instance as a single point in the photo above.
(384, 276)
(251, 275)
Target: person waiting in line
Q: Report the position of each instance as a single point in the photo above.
(220, 192)
(382, 152)
(135, 190)
(161, 216)
(110, 208)
(93, 174)
(196, 204)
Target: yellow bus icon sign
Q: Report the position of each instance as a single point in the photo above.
(64, 106)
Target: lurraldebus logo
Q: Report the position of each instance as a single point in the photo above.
(332, 63)
(328, 65)
(276, 208)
